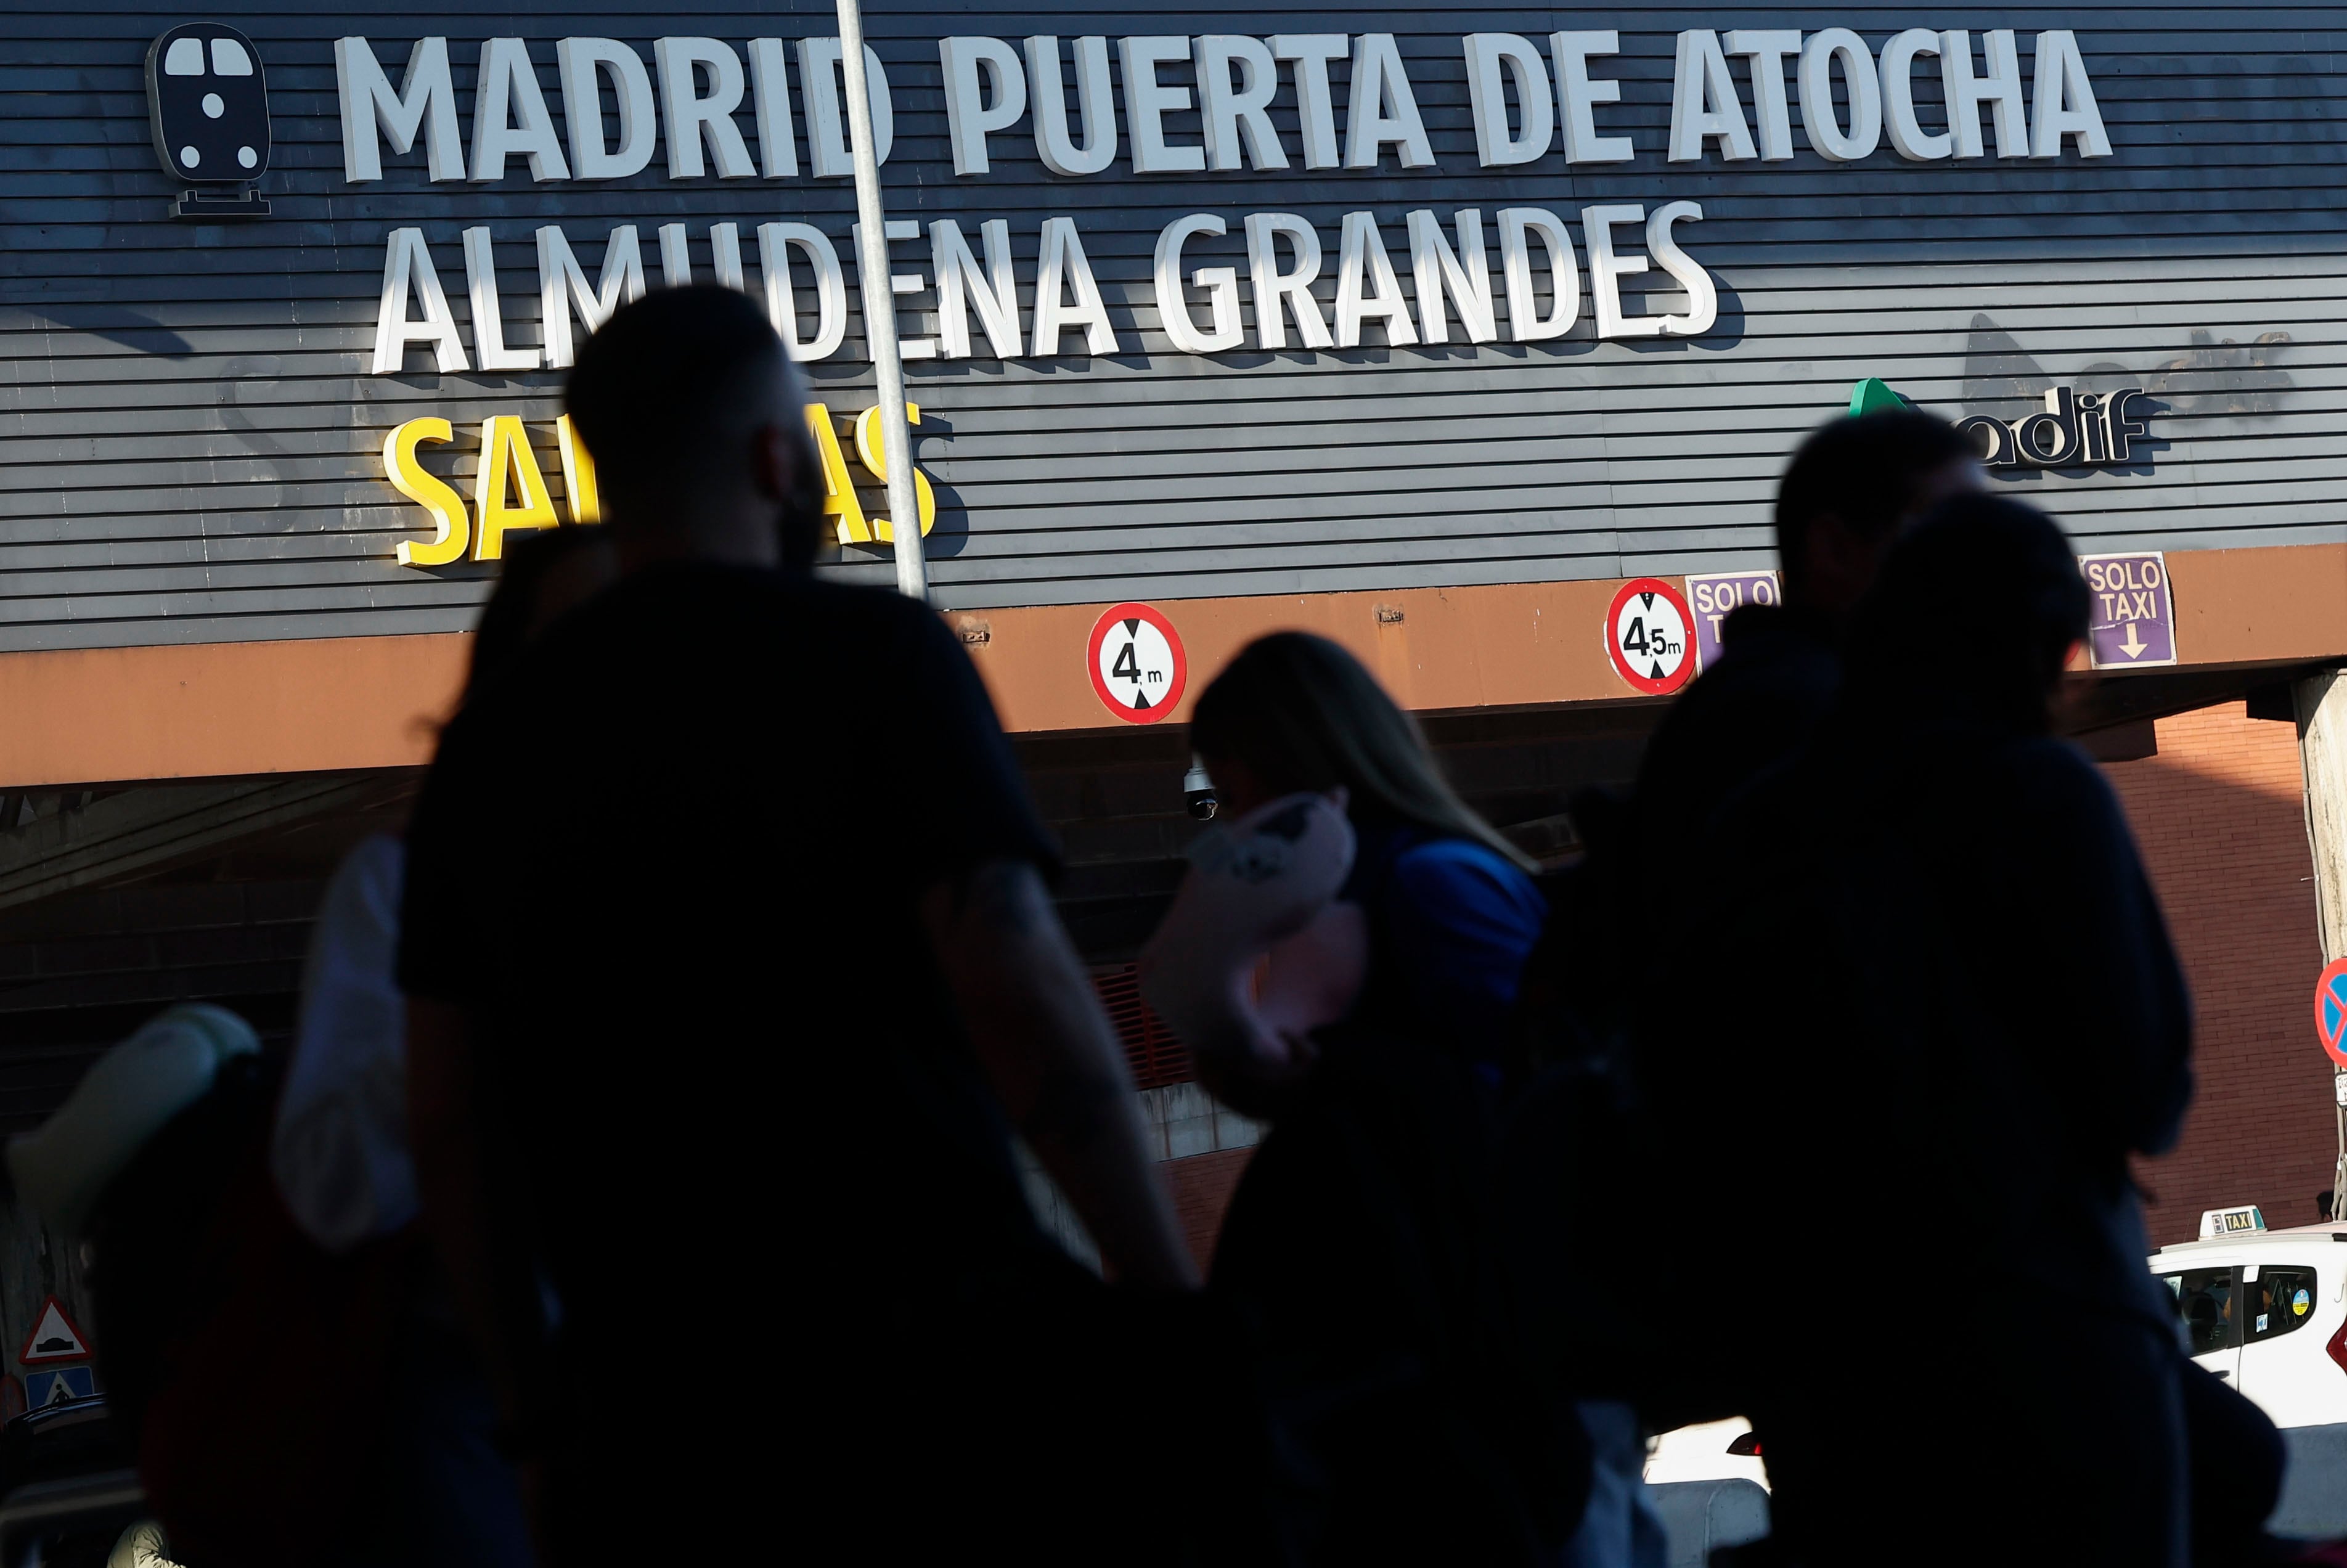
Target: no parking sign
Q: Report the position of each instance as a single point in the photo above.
(2330, 1009)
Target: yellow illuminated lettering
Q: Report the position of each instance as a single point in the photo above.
(838, 487)
(508, 461)
(876, 462)
(578, 474)
(429, 490)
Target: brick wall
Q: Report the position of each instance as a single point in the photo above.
(2223, 831)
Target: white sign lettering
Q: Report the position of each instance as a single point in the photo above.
(1530, 99)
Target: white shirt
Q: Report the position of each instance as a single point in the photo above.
(341, 1153)
(141, 1547)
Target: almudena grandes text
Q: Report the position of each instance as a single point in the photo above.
(1531, 99)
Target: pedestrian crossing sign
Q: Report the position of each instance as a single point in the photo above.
(57, 1386)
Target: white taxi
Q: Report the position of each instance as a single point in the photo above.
(2266, 1310)
(1712, 1451)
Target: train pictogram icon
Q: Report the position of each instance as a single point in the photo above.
(208, 105)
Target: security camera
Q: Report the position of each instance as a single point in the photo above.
(1198, 792)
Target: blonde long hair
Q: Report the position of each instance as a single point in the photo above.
(1304, 714)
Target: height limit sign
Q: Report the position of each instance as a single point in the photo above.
(1137, 664)
(1648, 636)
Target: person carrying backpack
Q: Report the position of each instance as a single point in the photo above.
(752, 1061)
(1360, 1243)
(1606, 1046)
(1949, 966)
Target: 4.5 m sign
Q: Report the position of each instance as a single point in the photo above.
(1649, 636)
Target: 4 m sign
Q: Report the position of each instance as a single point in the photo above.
(1136, 662)
(1648, 636)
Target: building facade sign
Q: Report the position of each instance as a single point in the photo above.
(2074, 430)
(1229, 83)
(1436, 301)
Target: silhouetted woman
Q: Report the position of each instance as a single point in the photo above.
(1358, 1242)
(1946, 1013)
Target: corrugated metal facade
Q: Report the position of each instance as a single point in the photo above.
(191, 443)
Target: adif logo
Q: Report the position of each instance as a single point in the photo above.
(208, 105)
(2077, 430)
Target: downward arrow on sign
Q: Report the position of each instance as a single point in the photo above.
(2134, 645)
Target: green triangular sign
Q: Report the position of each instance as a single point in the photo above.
(1872, 396)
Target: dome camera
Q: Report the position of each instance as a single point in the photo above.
(1198, 792)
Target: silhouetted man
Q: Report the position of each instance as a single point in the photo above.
(733, 969)
(1944, 963)
(1591, 987)
(1851, 490)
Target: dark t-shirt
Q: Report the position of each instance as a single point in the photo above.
(1597, 964)
(1776, 682)
(671, 863)
(1947, 1011)
(1357, 1249)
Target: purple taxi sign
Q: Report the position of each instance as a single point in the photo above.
(1717, 596)
(2134, 622)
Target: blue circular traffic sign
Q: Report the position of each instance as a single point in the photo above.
(2330, 1009)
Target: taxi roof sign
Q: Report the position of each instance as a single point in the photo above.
(2216, 1223)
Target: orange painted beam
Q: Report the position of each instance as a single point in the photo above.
(1543, 642)
(2250, 606)
(211, 710)
(1434, 647)
(203, 710)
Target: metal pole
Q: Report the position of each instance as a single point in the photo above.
(880, 312)
(2338, 1171)
(2320, 701)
